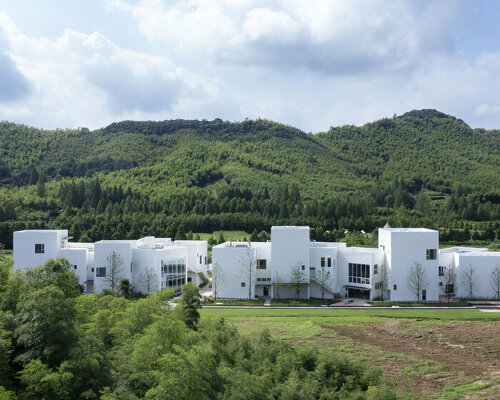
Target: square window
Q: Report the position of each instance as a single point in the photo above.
(101, 272)
(243, 284)
(303, 268)
(39, 248)
(75, 266)
(431, 254)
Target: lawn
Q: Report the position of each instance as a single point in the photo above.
(230, 236)
(448, 354)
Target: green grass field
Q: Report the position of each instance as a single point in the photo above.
(234, 236)
(430, 354)
(336, 315)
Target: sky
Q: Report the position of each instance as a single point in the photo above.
(307, 63)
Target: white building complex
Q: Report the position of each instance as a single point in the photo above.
(292, 264)
(158, 262)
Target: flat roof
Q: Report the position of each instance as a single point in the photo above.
(458, 249)
(363, 249)
(480, 254)
(327, 244)
(110, 241)
(408, 230)
(280, 227)
(42, 230)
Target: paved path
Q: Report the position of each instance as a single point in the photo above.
(345, 307)
(267, 303)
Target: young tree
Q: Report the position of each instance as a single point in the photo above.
(218, 279)
(448, 281)
(189, 305)
(297, 278)
(324, 277)
(278, 282)
(126, 288)
(381, 279)
(114, 270)
(469, 280)
(149, 279)
(495, 281)
(417, 280)
(247, 270)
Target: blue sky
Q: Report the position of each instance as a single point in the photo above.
(308, 63)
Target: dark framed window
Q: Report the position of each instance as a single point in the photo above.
(303, 268)
(39, 248)
(101, 272)
(441, 271)
(322, 261)
(243, 284)
(329, 262)
(395, 287)
(375, 269)
(75, 266)
(359, 273)
(261, 264)
(424, 294)
(431, 254)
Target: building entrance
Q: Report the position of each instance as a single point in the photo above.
(358, 293)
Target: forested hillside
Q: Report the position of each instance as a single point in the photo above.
(423, 168)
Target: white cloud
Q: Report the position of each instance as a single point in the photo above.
(336, 37)
(87, 80)
(311, 64)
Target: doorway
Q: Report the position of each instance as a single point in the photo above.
(266, 291)
(358, 293)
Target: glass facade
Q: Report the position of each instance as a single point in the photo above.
(359, 273)
(173, 274)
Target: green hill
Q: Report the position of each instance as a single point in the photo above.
(422, 168)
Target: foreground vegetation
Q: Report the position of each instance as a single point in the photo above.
(430, 354)
(170, 178)
(58, 344)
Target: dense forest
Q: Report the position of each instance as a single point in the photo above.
(169, 178)
(57, 344)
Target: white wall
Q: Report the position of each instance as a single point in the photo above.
(483, 265)
(289, 247)
(403, 248)
(102, 250)
(24, 247)
(152, 258)
(316, 252)
(230, 260)
(78, 258)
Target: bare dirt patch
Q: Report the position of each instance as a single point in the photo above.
(467, 351)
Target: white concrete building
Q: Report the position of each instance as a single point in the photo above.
(274, 269)
(159, 262)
